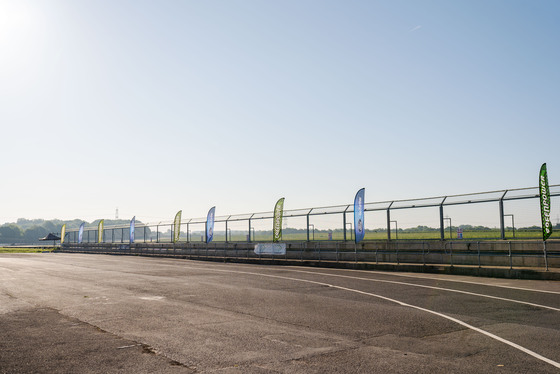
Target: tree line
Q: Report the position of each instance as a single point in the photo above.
(31, 230)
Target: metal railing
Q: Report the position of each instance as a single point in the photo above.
(434, 214)
(490, 254)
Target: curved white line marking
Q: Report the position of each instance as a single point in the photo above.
(495, 337)
(445, 280)
(430, 287)
(392, 274)
(512, 344)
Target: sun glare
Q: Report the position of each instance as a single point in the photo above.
(17, 20)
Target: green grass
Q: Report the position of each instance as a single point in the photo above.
(402, 235)
(24, 250)
(338, 235)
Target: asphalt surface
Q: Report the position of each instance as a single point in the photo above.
(74, 313)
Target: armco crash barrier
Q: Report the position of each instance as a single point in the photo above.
(478, 254)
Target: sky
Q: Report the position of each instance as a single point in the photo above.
(157, 106)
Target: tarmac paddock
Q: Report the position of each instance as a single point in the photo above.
(62, 313)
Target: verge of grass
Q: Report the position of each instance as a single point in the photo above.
(24, 250)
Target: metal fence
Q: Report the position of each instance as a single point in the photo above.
(506, 214)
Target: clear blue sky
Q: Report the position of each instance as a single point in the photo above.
(156, 106)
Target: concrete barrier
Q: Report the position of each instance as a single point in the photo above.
(511, 259)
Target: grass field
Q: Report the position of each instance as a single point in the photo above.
(338, 235)
(24, 250)
(401, 235)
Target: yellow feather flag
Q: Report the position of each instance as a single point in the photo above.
(177, 227)
(100, 231)
(62, 234)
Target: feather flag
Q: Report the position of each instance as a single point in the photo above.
(177, 227)
(210, 224)
(544, 194)
(81, 233)
(100, 231)
(277, 222)
(132, 227)
(359, 215)
(62, 234)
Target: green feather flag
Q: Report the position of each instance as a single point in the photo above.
(545, 203)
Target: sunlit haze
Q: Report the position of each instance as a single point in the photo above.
(156, 106)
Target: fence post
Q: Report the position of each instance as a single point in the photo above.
(227, 228)
(510, 259)
(344, 221)
(502, 226)
(451, 253)
(337, 243)
(478, 248)
(225, 249)
(545, 256)
(389, 221)
(441, 231)
(307, 226)
(250, 227)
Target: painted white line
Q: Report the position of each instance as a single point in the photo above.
(409, 275)
(431, 287)
(444, 280)
(512, 344)
(484, 332)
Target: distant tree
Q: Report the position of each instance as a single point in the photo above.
(529, 229)
(73, 224)
(50, 226)
(10, 233)
(33, 234)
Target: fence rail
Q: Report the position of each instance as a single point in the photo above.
(482, 215)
